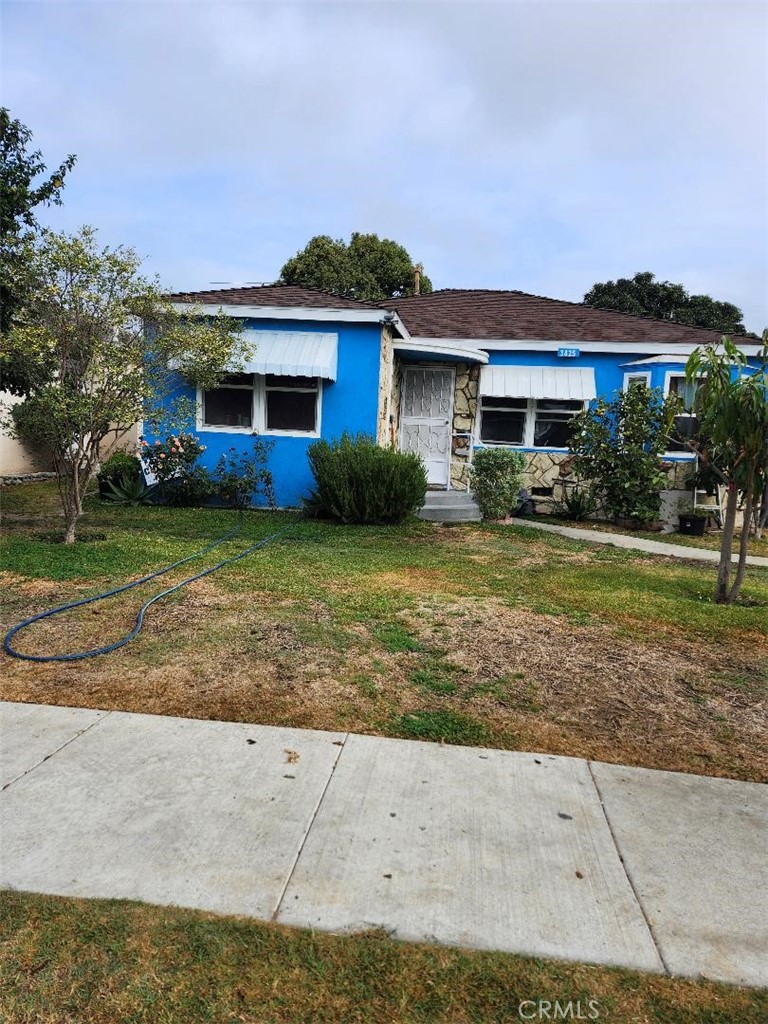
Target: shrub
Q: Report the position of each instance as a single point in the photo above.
(238, 476)
(180, 482)
(618, 446)
(120, 465)
(577, 503)
(495, 479)
(171, 458)
(189, 489)
(356, 481)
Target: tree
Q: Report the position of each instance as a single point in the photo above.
(20, 194)
(618, 446)
(732, 406)
(642, 295)
(369, 268)
(111, 338)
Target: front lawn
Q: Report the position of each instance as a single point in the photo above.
(102, 961)
(486, 635)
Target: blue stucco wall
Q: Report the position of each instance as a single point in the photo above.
(348, 403)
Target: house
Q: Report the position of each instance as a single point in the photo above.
(439, 374)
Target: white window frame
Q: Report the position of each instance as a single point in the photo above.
(669, 374)
(223, 428)
(259, 410)
(529, 426)
(525, 408)
(263, 389)
(630, 377)
(674, 373)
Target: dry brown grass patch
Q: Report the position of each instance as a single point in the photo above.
(665, 703)
(538, 682)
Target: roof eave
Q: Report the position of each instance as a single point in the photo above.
(321, 313)
(552, 345)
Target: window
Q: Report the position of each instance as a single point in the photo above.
(678, 385)
(291, 403)
(271, 404)
(552, 425)
(231, 404)
(686, 424)
(504, 420)
(530, 422)
(636, 378)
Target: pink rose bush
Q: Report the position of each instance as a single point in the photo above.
(174, 457)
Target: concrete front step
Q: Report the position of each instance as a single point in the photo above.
(450, 507)
(446, 514)
(448, 498)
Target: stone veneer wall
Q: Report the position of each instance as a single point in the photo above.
(464, 419)
(386, 398)
(545, 468)
(394, 410)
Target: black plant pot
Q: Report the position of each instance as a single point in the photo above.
(693, 526)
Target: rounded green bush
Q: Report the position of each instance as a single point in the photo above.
(495, 480)
(356, 481)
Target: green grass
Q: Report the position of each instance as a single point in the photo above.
(441, 727)
(66, 961)
(394, 638)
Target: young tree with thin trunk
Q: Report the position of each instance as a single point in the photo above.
(110, 339)
(732, 405)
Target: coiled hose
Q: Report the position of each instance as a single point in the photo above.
(108, 648)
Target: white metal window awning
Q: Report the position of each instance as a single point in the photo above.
(293, 353)
(554, 382)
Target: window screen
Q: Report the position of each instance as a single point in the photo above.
(552, 426)
(228, 407)
(291, 403)
(503, 420)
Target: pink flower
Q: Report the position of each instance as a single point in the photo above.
(162, 455)
(157, 442)
(181, 450)
(143, 443)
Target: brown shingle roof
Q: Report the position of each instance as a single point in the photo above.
(511, 315)
(475, 313)
(270, 295)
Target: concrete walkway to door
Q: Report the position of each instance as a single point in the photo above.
(623, 540)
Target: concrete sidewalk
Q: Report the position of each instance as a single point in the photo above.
(527, 853)
(623, 540)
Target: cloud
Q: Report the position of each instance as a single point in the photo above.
(514, 145)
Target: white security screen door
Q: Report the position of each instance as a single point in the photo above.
(426, 418)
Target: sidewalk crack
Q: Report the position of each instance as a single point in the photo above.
(635, 893)
(302, 844)
(47, 757)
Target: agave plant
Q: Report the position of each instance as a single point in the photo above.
(127, 490)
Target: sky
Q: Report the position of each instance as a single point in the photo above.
(535, 146)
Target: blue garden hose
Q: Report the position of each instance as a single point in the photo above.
(128, 586)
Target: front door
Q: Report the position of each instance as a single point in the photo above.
(426, 418)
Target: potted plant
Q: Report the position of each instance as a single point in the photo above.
(690, 522)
